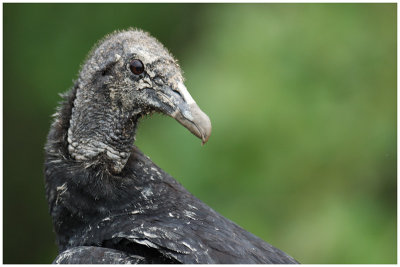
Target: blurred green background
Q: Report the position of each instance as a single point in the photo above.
(302, 98)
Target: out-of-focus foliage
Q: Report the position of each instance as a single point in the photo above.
(302, 98)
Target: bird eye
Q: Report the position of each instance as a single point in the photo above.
(136, 66)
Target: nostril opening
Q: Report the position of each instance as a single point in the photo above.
(158, 81)
(178, 93)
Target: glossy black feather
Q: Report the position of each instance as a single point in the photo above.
(97, 255)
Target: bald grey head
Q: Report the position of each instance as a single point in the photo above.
(127, 75)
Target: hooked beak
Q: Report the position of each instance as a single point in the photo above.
(189, 114)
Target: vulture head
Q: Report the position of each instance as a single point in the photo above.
(127, 75)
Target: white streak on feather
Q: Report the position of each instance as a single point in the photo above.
(150, 235)
(187, 245)
(147, 243)
(189, 214)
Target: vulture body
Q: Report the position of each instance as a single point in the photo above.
(109, 202)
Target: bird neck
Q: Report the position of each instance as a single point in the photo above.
(100, 133)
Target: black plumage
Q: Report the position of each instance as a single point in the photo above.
(109, 202)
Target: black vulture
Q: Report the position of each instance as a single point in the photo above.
(109, 202)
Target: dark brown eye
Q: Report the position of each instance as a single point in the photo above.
(136, 66)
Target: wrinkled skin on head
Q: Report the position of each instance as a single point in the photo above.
(109, 63)
(111, 98)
